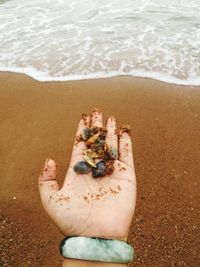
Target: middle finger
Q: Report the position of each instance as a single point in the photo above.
(97, 118)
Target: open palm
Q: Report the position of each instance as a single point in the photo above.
(87, 206)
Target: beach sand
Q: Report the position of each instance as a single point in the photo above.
(39, 120)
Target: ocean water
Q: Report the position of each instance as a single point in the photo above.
(80, 39)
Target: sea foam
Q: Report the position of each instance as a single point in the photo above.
(85, 39)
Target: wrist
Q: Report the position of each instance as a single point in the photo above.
(84, 263)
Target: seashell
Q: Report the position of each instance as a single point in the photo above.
(100, 142)
(90, 161)
(91, 153)
(98, 145)
(86, 133)
(102, 135)
(92, 139)
(112, 152)
(82, 167)
(100, 169)
(95, 130)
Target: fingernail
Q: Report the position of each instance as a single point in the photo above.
(85, 118)
(84, 115)
(125, 129)
(111, 119)
(48, 163)
(96, 110)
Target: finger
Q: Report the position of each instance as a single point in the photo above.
(47, 180)
(111, 137)
(97, 118)
(79, 144)
(125, 148)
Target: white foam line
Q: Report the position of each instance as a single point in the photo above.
(97, 75)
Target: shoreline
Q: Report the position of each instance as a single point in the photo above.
(39, 120)
(101, 75)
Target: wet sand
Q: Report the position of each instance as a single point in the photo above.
(39, 120)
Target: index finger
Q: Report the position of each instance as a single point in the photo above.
(97, 118)
(79, 144)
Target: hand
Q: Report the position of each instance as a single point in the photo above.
(87, 206)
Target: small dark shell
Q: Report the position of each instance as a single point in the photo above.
(86, 133)
(100, 169)
(82, 167)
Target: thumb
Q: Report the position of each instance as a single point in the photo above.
(47, 180)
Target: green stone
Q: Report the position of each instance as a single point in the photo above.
(97, 249)
(113, 152)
